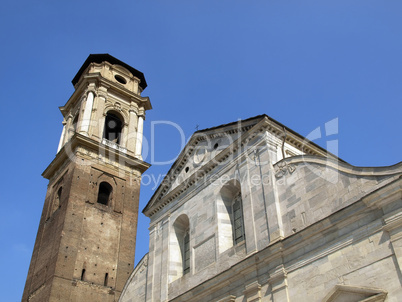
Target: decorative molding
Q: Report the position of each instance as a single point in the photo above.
(122, 161)
(340, 292)
(392, 221)
(252, 128)
(229, 298)
(342, 242)
(109, 105)
(343, 166)
(218, 160)
(385, 195)
(279, 273)
(253, 292)
(114, 145)
(282, 168)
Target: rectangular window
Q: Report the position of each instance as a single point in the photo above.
(238, 221)
(186, 254)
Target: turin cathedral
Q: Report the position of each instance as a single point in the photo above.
(250, 211)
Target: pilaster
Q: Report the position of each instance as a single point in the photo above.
(151, 279)
(275, 224)
(393, 225)
(279, 284)
(248, 209)
(63, 133)
(132, 128)
(252, 293)
(138, 147)
(86, 119)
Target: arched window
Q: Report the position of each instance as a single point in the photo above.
(230, 216)
(83, 274)
(105, 193)
(180, 251)
(56, 201)
(106, 279)
(113, 127)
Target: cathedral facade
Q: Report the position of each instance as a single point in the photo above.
(252, 211)
(249, 211)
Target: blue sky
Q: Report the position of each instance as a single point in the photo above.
(304, 63)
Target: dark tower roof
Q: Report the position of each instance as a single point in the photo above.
(99, 58)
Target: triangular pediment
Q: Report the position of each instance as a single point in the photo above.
(210, 147)
(203, 147)
(347, 293)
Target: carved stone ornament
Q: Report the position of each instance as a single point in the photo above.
(144, 264)
(282, 168)
(117, 106)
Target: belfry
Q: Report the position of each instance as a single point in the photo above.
(250, 211)
(85, 245)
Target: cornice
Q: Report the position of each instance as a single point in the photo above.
(277, 260)
(199, 174)
(99, 89)
(249, 131)
(142, 101)
(385, 195)
(393, 221)
(89, 144)
(341, 166)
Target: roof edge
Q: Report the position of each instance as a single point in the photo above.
(99, 58)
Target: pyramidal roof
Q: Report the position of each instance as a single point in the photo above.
(99, 58)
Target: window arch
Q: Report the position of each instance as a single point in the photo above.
(104, 193)
(113, 127)
(56, 201)
(105, 281)
(180, 250)
(230, 216)
(82, 275)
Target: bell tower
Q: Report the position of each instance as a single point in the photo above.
(84, 249)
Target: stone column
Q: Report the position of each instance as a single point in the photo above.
(67, 131)
(124, 136)
(100, 117)
(132, 130)
(86, 119)
(63, 133)
(138, 146)
(102, 125)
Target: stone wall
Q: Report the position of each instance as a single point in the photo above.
(309, 233)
